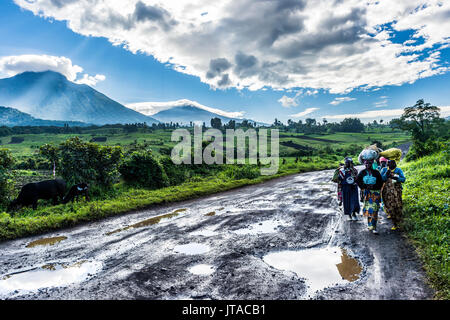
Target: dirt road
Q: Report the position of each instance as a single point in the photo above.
(283, 239)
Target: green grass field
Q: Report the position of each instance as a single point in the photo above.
(162, 138)
(427, 215)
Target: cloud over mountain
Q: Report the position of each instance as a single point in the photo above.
(12, 65)
(321, 44)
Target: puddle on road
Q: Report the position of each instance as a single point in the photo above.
(204, 233)
(148, 222)
(201, 269)
(322, 267)
(268, 226)
(45, 241)
(191, 248)
(49, 275)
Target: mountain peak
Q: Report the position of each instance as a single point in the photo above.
(49, 95)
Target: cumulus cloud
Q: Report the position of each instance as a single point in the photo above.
(304, 113)
(332, 45)
(288, 102)
(337, 101)
(12, 65)
(90, 80)
(151, 108)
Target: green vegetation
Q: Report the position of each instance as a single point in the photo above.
(141, 168)
(6, 162)
(427, 129)
(78, 161)
(426, 212)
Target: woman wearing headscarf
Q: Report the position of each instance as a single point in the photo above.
(347, 180)
(392, 191)
(370, 182)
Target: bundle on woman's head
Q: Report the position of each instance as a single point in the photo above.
(369, 153)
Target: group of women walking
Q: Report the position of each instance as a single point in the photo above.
(380, 181)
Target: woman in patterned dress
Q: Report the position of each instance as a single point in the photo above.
(370, 182)
(392, 191)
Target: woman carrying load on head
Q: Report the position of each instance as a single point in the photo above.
(350, 197)
(392, 191)
(370, 181)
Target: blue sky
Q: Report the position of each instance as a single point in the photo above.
(139, 77)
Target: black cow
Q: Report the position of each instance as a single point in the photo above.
(81, 189)
(32, 192)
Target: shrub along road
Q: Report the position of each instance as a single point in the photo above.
(282, 239)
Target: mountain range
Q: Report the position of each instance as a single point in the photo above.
(185, 111)
(42, 97)
(49, 95)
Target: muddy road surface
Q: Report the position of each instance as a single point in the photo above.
(283, 239)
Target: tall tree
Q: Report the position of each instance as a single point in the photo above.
(420, 119)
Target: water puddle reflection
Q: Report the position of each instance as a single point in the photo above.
(191, 248)
(148, 222)
(45, 242)
(322, 267)
(49, 275)
(268, 226)
(201, 269)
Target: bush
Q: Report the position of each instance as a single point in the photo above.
(176, 173)
(420, 149)
(33, 163)
(141, 168)
(6, 163)
(237, 172)
(77, 161)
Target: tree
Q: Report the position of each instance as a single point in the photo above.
(423, 122)
(420, 119)
(78, 161)
(351, 125)
(216, 123)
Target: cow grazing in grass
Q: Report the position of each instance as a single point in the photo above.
(81, 189)
(32, 192)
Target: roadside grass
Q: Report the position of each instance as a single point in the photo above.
(426, 216)
(123, 199)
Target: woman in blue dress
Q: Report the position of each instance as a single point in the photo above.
(350, 197)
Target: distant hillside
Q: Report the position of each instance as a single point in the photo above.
(50, 96)
(12, 117)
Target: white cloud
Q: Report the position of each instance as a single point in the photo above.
(385, 114)
(151, 108)
(337, 101)
(383, 102)
(91, 80)
(288, 102)
(12, 65)
(336, 46)
(304, 113)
